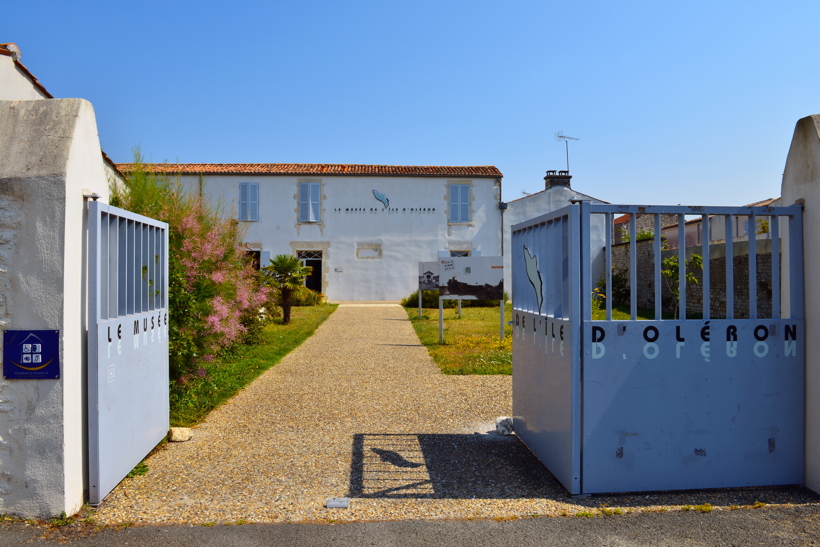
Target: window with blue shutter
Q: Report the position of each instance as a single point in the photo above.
(459, 203)
(249, 201)
(309, 202)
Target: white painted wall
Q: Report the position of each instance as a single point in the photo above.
(801, 181)
(49, 152)
(408, 232)
(547, 201)
(15, 85)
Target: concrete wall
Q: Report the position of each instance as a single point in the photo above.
(49, 154)
(411, 230)
(801, 183)
(15, 85)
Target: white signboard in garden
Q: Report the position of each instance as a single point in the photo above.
(472, 277)
(428, 276)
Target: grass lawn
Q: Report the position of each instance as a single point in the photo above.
(191, 402)
(471, 343)
(622, 313)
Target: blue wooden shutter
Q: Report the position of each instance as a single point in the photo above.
(459, 203)
(243, 201)
(304, 202)
(315, 199)
(464, 203)
(253, 201)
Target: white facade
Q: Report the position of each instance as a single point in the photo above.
(370, 232)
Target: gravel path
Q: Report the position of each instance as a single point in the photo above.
(361, 410)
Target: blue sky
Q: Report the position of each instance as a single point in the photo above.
(690, 102)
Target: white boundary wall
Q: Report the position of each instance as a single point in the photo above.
(801, 184)
(49, 154)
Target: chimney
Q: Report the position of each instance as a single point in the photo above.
(557, 178)
(12, 49)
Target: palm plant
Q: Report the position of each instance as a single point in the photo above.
(287, 274)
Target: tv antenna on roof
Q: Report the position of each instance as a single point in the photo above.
(559, 137)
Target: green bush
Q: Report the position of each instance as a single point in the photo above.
(429, 299)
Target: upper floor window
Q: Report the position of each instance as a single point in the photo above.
(459, 203)
(456, 254)
(249, 201)
(310, 202)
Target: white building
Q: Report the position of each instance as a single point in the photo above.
(363, 228)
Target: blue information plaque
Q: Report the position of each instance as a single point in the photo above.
(31, 354)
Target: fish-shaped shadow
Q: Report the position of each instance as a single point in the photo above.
(534, 275)
(381, 197)
(395, 458)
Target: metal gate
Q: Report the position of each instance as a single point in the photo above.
(652, 403)
(127, 343)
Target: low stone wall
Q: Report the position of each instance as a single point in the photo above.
(645, 260)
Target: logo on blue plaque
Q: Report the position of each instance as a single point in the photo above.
(31, 354)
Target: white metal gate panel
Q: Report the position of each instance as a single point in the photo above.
(127, 343)
(708, 400)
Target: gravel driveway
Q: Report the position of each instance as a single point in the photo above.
(360, 410)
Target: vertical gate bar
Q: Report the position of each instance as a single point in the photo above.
(94, 308)
(137, 267)
(752, 233)
(146, 250)
(103, 249)
(552, 266)
(130, 266)
(633, 267)
(543, 249)
(705, 246)
(657, 252)
(113, 256)
(515, 266)
(576, 366)
(567, 286)
(796, 263)
(730, 268)
(122, 268)
(608, 266)
(774, 232)
(532, 300)
(585, 265)
(681, 266)
(152, 260)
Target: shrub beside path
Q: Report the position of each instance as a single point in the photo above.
(360, 410)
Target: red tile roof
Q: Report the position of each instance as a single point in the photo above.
(479, 171)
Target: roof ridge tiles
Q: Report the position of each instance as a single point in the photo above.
(317, 168)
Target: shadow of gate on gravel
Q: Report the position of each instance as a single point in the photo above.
(447, 466)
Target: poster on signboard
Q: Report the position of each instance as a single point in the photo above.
(428, 276)
(472, 277)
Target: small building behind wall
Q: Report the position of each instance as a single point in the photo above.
(557, 193)
(363, 228)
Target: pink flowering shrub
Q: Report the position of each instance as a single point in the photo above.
(214, 292)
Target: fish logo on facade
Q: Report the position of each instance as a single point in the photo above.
(381, 197)
(534, 275)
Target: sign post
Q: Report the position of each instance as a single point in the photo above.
(428, 279)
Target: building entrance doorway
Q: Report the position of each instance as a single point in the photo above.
(314, 260)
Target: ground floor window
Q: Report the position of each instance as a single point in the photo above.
(314, 260)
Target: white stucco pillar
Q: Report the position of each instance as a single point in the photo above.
(49, 152)
(801, 181)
